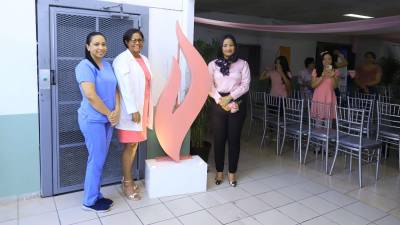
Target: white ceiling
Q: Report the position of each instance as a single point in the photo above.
(303, 11)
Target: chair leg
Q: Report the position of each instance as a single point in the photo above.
(263, 135)
(307, 146)
(359, 169)
(278, 137)
(326, 155)
(372, 155)
(399, 155)
(369, 159)
(386, 151)
(283, 141)
(351, 161)
(334, 159)
(377, 163)
(300, 137)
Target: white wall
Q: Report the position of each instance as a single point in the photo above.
(392, 49)
(380, 47)
(163, 45)
(302, 45)
(19, 62)
(18, 86)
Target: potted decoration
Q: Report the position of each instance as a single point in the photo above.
(198, 144)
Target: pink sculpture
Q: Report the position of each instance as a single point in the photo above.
(171, 123)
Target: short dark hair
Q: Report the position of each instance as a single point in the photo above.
(308, 61)
(87, 53)
(128, 35)
(234, 57)
(370, 53)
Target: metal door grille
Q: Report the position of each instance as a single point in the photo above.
(68, 41)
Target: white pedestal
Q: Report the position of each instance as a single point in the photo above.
(167, 178)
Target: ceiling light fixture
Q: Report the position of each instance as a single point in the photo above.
(358, 16)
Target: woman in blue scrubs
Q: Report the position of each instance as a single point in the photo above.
(98, 113)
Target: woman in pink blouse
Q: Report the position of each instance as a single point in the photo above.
(280, 77)
(231, 80)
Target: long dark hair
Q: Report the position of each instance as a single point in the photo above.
(320, 66)
(87, 53)
(284, 64)
(220, 55)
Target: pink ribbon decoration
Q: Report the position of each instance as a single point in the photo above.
(341, 27)
(171, 123)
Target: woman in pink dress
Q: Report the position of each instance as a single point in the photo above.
(133, 73)
(324, 80)
(280, 77)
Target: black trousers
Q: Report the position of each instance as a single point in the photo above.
(228, 127)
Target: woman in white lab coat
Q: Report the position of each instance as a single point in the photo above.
(134, 77)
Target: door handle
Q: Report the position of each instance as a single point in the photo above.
(52, 77)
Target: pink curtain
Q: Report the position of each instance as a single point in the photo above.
(384, 23)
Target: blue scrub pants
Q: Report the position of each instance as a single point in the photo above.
(97, 138)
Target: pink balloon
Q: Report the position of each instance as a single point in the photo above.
(171, 123)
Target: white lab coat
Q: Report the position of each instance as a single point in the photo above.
(131, 83)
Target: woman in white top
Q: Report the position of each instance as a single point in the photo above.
(134, 77)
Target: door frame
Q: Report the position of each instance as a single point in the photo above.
(46, 73)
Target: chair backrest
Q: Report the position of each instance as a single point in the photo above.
(257, 104)
(340, 100)
(366, 104)
(388, 117)
(293, 110)
(273, 105)
(349, 121)
(384, 91)
(296, 94)
(364, 96)
(384, 98)
(320, 114)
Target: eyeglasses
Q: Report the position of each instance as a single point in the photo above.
(137, 41)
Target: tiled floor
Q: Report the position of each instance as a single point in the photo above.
(272, 190)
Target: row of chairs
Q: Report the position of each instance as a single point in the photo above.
(361, 101)
(350, 134)
(299, 94)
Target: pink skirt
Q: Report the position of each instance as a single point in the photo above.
(130, 136)
(325, 94)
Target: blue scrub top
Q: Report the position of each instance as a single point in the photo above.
(105, 84)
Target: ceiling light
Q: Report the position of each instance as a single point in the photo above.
(358, 16)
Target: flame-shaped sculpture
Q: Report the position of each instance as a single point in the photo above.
(171, 123)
